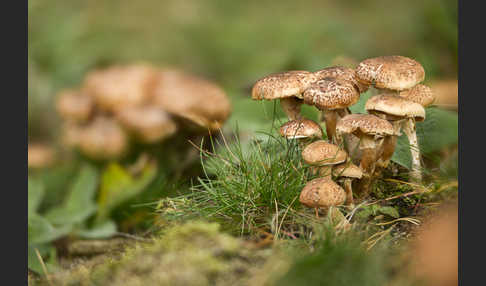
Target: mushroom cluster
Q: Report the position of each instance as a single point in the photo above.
(332, 90)
(139, 103)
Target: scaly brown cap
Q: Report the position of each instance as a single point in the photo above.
(331, 93)
(395, 106)
(74, 106)
(343, 73)
(390, 72)
(197, 100)
(364, 124)
(349, 170)
(148, 123)
(301, 128)
(321, 153)
(282, 85)
(322, 192)
(103, 139)
(120, 86)
(420, 94)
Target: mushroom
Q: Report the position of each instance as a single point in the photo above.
(322, 193)
(323, 155)
(331, 96)
(103, 139)
(199, 102)
(74, 106)
(301, 129)
(120, 86)
(446, 92)
(344, 73)
(40, 155)
(370, 129)
(402, 113)
(286, 86)
(347, 171)
(148, 123)
(390, 72)
(420, 94)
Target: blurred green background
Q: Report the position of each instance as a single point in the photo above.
(231, 42)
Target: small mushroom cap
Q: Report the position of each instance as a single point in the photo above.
(40, 155)
(301, 128)
(74, 105)
(103, 139)
(197, 100)
(343, 73)
(390, 72)
(321, 153)
(348, 170)
(322, 192)
(446, 93)
(364, 124)
(282, 85)
(396, 106)
(420, 94)
(120, 86)
(148, 123)
(331, 93)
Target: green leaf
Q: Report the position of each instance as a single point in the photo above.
(33, 262)
(391, 211)
(35, 195)
(80, 202)
(40, 230)
(102, 230)
(118, 186)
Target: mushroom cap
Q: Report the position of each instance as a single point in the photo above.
(321, 153)
(322, 192)
(343, 73)
(120, 86)
(420, 94)
(103, 139)
(301, 128)
(390, 72)
(282, 85)
(348, 170)
(150, 124)
(192, 98)
(71, 133)
(364, 124)
(331, 93)
(396, 106)
(39, 155)
(74, 105)
(446, 93)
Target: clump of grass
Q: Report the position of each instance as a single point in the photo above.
(247, 187)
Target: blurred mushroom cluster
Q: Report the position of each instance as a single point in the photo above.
(119, 106)
(358, 146)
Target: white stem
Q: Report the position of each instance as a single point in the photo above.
(291, 107)
(409, 130)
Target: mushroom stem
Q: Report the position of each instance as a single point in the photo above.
(317, 212)
(410, 131)
(325, 171)
(291, 107)
(367, 163)
(387, 150)
(331, 118)
(349, 191)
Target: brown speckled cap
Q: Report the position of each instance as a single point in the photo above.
(197, 100)
(103, 139)
(343, 73)
(390, 72)
(396, 106)
(321, 153)
(331, 93)
(148, 123)
(322, 192)
(282, 85)
(120, 86)
(301, 128)
(348, 169)
(364, 124)
(74, 105)
(420, 94)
